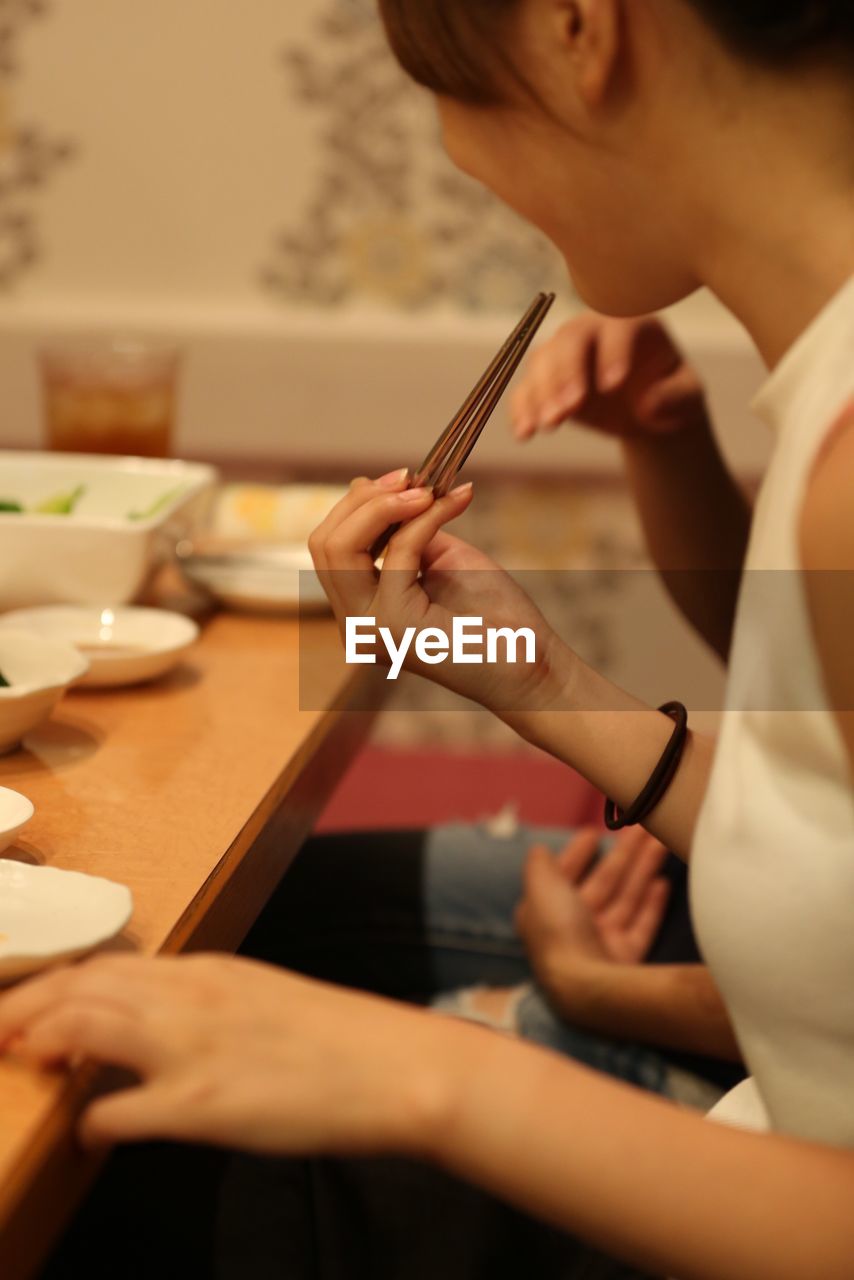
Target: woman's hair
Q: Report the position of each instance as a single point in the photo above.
(461, 48)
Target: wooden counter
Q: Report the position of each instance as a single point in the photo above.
(196, 792)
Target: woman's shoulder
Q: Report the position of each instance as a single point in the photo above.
(827, 515)
(826, 536)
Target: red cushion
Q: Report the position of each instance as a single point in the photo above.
(385, 789)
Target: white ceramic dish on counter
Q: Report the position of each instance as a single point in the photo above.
(253, 555)
(15, 812)
(128, 515)
(257, 579)
(38, 670)
(124, 645)
(48, 915)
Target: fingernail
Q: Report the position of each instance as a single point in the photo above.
(571, 397)
(414, 495)
(612, 377)
(393, 478)
(553, 412)
(462, 489)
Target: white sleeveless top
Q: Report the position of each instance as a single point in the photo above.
(772, 867)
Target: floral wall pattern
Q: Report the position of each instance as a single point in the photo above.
(263, 182)
(390, 219)
(28, 156)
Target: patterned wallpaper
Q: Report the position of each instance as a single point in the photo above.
(324, 184)
(389, 219)
(28, 155)
(264, 181)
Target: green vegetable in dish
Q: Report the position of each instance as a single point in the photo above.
(157, 505)
(4, 683)
(62, 504)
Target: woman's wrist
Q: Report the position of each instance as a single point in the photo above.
(553, 687)
(426, 1108)
(694, 422)
(423, 1105)
(572, 979)
(566, 684)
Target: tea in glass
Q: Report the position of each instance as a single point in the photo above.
(110, 395)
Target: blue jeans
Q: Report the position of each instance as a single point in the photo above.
(413, 915)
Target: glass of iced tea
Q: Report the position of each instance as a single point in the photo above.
(110, 395)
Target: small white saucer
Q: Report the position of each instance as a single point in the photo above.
(124, 644)
(48, 915)
(15, 812)
(264, 578)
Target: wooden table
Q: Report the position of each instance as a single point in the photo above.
(196, 792)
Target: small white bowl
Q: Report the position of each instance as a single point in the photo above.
(48, 915)
(123, 644)
(15, 812)
(39, 670)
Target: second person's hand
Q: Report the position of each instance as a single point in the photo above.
(623, 377)
(580, 909)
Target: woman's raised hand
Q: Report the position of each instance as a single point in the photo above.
(428, 580)
(623, 377)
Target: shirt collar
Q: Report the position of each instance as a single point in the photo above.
(815, 372)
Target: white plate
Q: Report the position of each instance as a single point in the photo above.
(272, 579)
(124, 645)
(15, 812)
(48, 915)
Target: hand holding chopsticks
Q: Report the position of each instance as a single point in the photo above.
(446, 459)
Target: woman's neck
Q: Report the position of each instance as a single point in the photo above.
(776, 284)
(778, 239)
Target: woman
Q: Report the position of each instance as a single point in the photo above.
(661, 144)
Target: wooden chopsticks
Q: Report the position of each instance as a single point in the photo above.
(446, 459)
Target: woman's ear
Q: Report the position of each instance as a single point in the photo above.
(591, 33)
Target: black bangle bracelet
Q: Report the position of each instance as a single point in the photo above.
(660, 778)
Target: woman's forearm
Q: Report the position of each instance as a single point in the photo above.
(634, 1175)
(696, 520)
(669, 1006)
(615, 741)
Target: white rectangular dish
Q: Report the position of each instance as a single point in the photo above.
(129, 515)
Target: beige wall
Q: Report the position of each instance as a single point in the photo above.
(246, 154)
(259, 180)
